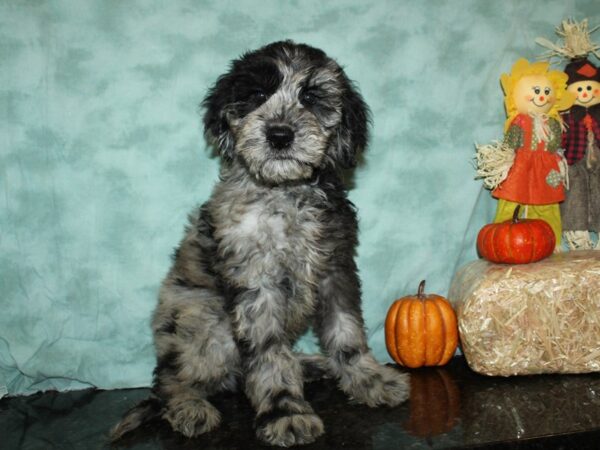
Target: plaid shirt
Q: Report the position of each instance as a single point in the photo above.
(574, 140)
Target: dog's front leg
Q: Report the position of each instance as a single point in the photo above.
(340, 328)
(273, 374)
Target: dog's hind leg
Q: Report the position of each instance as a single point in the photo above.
(196, 355)
(340, 328)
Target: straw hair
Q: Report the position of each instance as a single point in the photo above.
(576, 41)
(523, 68)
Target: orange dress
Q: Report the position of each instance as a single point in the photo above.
(534, 178)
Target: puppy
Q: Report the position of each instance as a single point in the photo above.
(270, 254)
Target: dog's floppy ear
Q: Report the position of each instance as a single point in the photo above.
(353, 131)
(216, 127)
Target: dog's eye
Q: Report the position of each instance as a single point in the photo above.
(257, 96)
(308, 98)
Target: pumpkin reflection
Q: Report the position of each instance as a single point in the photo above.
(434, 403)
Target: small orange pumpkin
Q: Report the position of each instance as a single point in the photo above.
(516, 241)
(421, 330)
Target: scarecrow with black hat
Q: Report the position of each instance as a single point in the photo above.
(581, 139)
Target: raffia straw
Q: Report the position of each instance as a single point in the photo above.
(576, 41)
(493, 162)
(579, 240)
(528, 319)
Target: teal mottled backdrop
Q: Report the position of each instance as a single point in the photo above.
(102, 155)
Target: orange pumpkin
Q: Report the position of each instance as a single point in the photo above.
(516, 241)
(421, 330)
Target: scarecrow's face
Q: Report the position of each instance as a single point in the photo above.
(587, 92)
(534, 94)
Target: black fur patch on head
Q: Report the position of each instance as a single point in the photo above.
(249, 82)
(256, 75)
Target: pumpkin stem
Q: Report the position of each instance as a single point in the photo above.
(515, 218)
(421, 290)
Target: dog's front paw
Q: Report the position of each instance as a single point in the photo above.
(375, 385)
(293, 429)
(387, 386)
(193, 417)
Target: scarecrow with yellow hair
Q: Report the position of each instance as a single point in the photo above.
(527, 168)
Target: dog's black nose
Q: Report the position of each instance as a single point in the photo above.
(280, 137)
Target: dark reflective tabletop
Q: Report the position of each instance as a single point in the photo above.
(450, 407)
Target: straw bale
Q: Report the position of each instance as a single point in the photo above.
(529, 319)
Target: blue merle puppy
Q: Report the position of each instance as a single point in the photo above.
(270, 254)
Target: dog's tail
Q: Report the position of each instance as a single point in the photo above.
(143, 412)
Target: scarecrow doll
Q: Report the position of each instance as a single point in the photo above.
(527, 168)
(581, 208)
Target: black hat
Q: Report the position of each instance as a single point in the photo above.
(582, 70)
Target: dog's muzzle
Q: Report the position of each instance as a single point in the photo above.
(280, 136)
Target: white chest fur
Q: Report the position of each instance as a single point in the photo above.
(263, 224)
(268, 235)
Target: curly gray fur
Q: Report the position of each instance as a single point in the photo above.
(268, 255)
